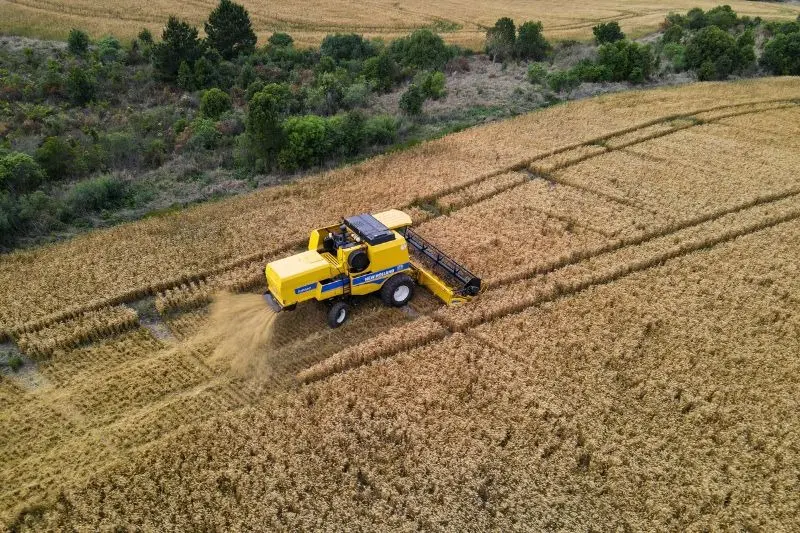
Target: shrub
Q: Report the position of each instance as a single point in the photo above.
(185, 77)
(673, 34)
(588, 71)
(109, 49)
(179, 44)
(380, 130)
(94, 195)
(356, 95)
(120, 148)
(230, 31)
(422, 50)
(696, 19)
(782, 55)
(537, 73)
(432, 84)
(280, 39)
(306, 142)
(717, 47)
(204, 73)
(411, 101)
(15, 363)
(155, 153)
(722, 17)
(608, 32)
(676, 54)
(346, 132)
(57, 157)
(531, 43)
(627, 60)
(348, 46)
(145, 36)
(382, 70)
(77, 42)
(204, 134)
(81, 86)
(501, 39)
(19, 173)
(563, 80)
(214, 103)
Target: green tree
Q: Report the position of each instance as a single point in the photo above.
(185, 77)
(501, 38)
(348, 46)
(78, 42)
(19, 173)
(411, 101)
(696, 19)
(713, 46)
(230, 31)
(782, 55)
(627, 61)
(179, 44)
(214, 103)
(722, 17)
(432, 84)
(306, 142)
(608, 32)
(382, 70)
(537, 73)
(81, 86)
(263, 125)
(531, 43)
(563, 81)
(57, 157)
(281, 40)
(422, 50)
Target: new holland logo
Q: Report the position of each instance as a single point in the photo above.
(377, 277)
(306, 288)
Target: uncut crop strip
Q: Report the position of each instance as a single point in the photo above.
(154, 288)
(567, 284)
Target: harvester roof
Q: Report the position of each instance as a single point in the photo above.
(370, 229)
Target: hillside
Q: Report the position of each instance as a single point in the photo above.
(632, 362)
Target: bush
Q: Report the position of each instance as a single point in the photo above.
(722, 17)
(204, 134)
(57, 157)
(346, 132)
(94, 195)
(19, 173)
(782, 55)
(120, 148)
(588, 71)
(185, 77)
(81, 86)
(155, 153)
(432, 84)
(537, 73)
(673, 34)
(109, 49)
(563, 80)
(411, 101)
(713, 46)
(627, 61)
(356, 95)
(676, 54)
(382, 70)
(281, 40)
(15, 363)
(696, 19)
(77, 42)
(306, 142)
(204, 73)
(422, 50)
(501, 39)
(531, 43)
(348, 46)
(608, 32)
(380, 130)
(230, 31)
(214, 103)
(180, 44)
(145, 36)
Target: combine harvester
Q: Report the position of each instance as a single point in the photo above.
(365, 254)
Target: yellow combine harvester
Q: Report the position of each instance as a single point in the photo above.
(365, 254)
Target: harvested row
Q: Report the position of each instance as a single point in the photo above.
(417, 333)
(480, 191)
(651, 132)
(89, 326)
(566, 158)
(163, 252)
(183, 298)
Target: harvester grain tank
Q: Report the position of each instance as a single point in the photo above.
(361, 255)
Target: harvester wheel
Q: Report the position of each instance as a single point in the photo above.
(397, 290)
(338, 314)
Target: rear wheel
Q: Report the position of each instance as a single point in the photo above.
(338, 314)
(397, 290)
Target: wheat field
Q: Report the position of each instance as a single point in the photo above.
(631, 365)
(460, 22)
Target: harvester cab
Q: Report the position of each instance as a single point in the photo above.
(364, 254)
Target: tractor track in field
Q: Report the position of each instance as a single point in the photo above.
(522, 166)
(567, 289)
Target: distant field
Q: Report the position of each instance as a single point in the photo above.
(631, 363)
(462, 22)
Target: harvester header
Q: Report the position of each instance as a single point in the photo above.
(364, 254)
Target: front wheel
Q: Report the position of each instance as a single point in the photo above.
(338, 314)
(397, 290)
